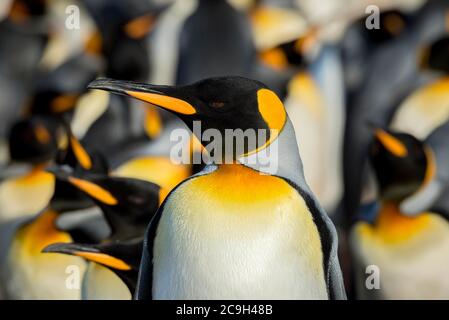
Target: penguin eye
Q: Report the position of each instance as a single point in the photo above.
(137, 200)
(217, 104)
(375, 149)
(417, 150)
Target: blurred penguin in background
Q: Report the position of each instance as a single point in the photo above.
(23, 38)
(208, 38)
(410, 252)
(35, 139)
(121, 37)
(128, 205)
(26, 272)
(387, 83)
(315, 93)
(428, 107)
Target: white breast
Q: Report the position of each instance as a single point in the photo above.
(47, 276)
(415, 269)
(210, 248)
(100, 283)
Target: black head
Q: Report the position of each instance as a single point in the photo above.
(392, 24)
(23, 10)
(52, 102)
(124, 27)
(122, 257)
(402, 163)
(34, 140)
(73, 155)
(292, 54)
(216, 103)
(436, 57)
(127, 204)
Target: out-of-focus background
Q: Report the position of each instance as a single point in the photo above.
(364, 83)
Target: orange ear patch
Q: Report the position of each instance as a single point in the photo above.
(104, 259)
(18, 12)
(94, 43)
(94, 191)
(42, 135)
(394, 24)
(274, 58)
(140, 26)
(63, 103)
(271, 109)
(391, 143)
(273, 113)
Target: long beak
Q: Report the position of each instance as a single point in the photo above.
(161, 96)
(84, 184)
(88, 252)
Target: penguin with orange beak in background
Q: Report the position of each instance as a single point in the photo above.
(35, 139)
(204, 38)
(128, 205)
(428, 106)
(432, 194)
(33, 144)
(376, 100)
(411, 252)
(124, 30)
(26, 272)
(239, 230)
(23, 39)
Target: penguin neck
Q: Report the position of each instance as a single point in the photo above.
(36, 175)
(42, 232)
(393, 226)
(244, 185)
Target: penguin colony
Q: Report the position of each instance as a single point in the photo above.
(352, 200)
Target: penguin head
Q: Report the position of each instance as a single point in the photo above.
(402, 164)
(34, 140)
(222, 103)
(436, 56)
(57, 91)
(123, 30)
(73, 155)
(23, 10)
(291, 54)
(392, 24)
(122, 257)
(52, 102)
(127, 204)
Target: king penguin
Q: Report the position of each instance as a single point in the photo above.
(128, 206)
(33, 143)
(410, 252)
(27, 273)
(432, 194)
(377, 99)
(427, 105)
(238, 230)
